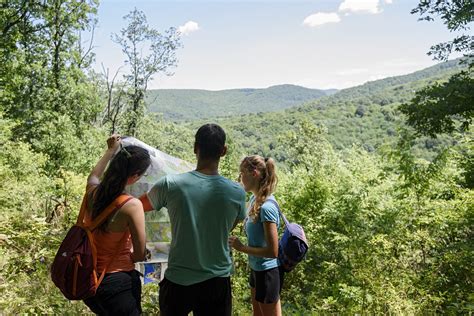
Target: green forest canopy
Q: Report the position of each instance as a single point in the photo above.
(192, 104)
(365, 115)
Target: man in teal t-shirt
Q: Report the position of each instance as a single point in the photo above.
(203, 208)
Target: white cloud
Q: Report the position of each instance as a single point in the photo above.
(360, 6)
(347, 7)
(188, 28)
(321, 18)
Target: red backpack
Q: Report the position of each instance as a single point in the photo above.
(74, 269)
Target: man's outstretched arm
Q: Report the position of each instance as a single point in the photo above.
(146, 203)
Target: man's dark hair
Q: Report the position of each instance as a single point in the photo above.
(210, 139)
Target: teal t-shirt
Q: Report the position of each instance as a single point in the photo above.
(202, 211)
(256, 234)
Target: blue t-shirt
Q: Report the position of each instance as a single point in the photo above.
(256, 234)
(202, 210)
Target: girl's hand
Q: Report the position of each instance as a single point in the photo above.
(235, 243)
(113, 142)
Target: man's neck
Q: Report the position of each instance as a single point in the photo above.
(210, 168)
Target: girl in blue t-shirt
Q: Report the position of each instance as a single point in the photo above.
(258, 176)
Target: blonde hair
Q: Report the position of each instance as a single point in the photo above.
(267, 182)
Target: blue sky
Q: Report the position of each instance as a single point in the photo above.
(257, 44)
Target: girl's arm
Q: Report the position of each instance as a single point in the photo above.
(113, 142)
(271, 238)
(133, 211)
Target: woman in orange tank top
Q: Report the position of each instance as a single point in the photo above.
(120, 240)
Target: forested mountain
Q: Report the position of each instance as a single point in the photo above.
(365, 115)
(191, 104)
(429, 74)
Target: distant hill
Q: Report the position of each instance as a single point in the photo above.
(366, 115)
(191, 104)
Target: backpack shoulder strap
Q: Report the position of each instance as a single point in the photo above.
(113, 207)
(279, 211)
(83, 210)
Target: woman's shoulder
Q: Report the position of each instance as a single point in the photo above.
(269, 210)
(131, 206)
(270, 204)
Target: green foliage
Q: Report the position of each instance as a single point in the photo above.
(42, 71)
(148, 52)
(35, 212)
(164, 136)
(28, 246)
(150, 303)
(441, 107)
(438, 108)
(457, 16)
(465, 159)
(66, 147)
(24, 184)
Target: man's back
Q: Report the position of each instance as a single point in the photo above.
(202, 209)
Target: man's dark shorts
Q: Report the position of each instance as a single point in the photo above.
(210, 297)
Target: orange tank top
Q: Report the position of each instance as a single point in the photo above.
(112, 245)
(116, 245)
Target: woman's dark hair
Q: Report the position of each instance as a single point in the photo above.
(210, 139)
(129, 161)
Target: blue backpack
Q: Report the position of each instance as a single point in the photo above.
(293, 245)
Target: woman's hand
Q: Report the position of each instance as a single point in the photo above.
(113, 142)
(235, 243)
(269, 251)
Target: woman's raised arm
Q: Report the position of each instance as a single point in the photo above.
(113, 143)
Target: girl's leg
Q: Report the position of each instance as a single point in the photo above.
(272, 309)
(255, 305)
(267, 291)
